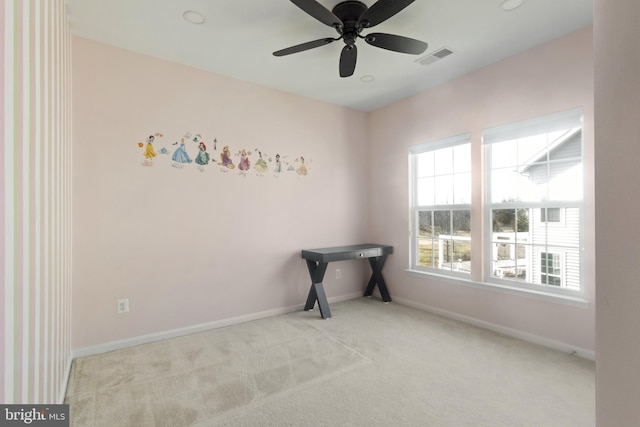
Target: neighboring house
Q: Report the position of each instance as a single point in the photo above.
(548, 252)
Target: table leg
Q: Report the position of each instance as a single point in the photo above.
(376, 278)
(316, 293)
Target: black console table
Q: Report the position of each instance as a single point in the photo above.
(318, 259)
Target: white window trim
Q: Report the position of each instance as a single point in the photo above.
(548, 123)
(414, 208)
(413, 239)
(562, 295)
(550, 290)
(561, 298)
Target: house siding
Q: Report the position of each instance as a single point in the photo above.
(562, 237)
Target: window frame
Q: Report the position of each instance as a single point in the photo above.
(481, 220)
(561, 261)
(542, 124)
(415, 209)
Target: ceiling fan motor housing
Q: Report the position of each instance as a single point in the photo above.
(349, 13)
(349, 18)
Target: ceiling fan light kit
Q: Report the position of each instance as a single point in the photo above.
(349, 19)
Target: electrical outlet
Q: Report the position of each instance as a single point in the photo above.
(123, 305)
(338, 273)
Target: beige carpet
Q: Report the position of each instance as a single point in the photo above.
(372, 364)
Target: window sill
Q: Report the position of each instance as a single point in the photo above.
(574, 300)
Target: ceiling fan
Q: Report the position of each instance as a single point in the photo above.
(349, 18)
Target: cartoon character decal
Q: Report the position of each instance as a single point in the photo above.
(225, 158)
(278, 167)
(180, 156)
(202, 159)
(244, 163)
(196, 144)
(302, 169)
(261, 165)
(149, 152)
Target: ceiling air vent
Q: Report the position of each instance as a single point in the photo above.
(434, 56)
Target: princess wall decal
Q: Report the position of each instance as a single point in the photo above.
(193, 144)
(202, 159)
(180, 156)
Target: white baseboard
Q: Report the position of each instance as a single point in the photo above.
(556, 345)
(173, 333)
(63, 388)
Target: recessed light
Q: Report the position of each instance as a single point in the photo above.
(367, 78)
(511, 4)
(193, 17)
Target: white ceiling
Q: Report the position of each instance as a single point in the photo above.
(238, 37)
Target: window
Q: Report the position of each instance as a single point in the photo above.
(550, 269)
(550, 215)
(534, 202)
(532, 206)
(441, 205)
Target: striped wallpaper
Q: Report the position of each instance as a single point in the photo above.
(35, 192)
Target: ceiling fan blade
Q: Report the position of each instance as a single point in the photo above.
(382, 10)
(303, 46)
(396, 43)
(348, 60)
(319, 12)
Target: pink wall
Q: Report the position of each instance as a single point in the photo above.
(553, 77)
(189, 247)
(617, 111)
